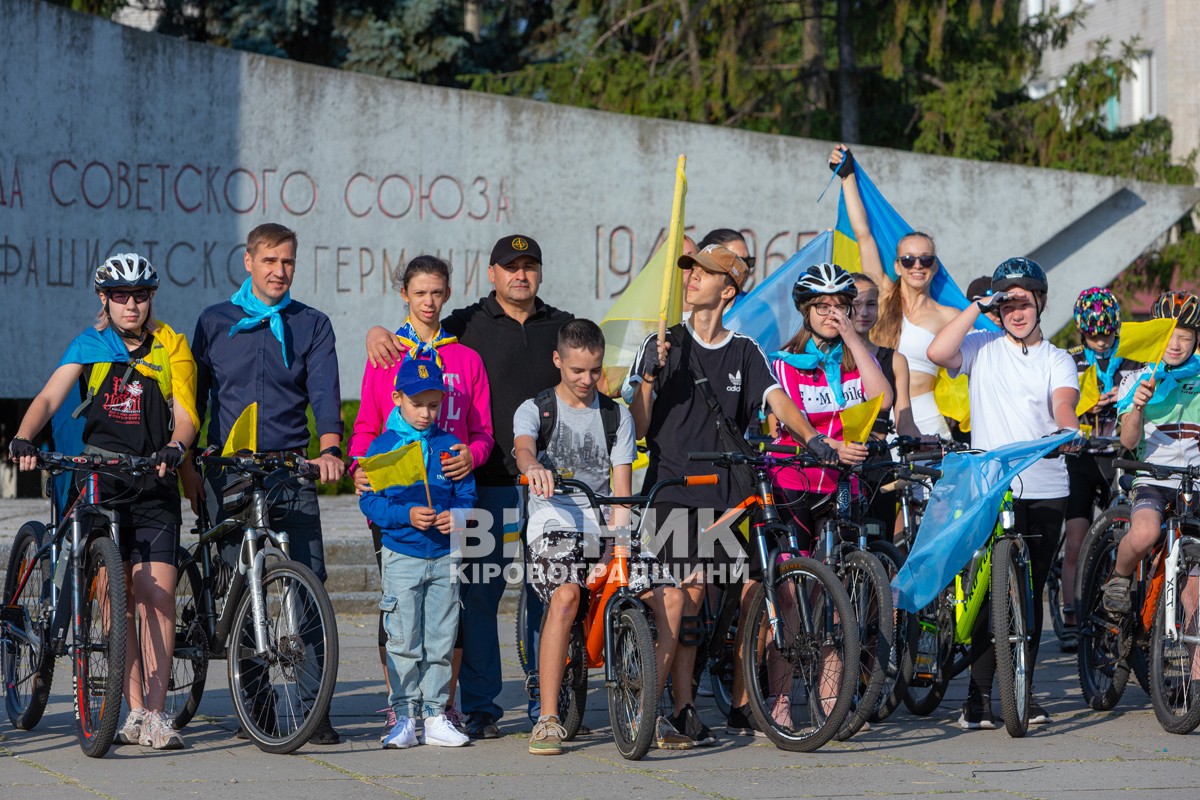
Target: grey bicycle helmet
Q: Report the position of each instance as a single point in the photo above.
(126, 271)
(823, 280)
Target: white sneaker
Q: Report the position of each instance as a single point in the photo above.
(158, 733)
(402, 735)
(441, 733)
(131, 731)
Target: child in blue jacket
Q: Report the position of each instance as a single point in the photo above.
(420, 592)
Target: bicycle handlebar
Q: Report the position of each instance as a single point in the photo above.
(260, 463)
(1159, 471)
(92, 462)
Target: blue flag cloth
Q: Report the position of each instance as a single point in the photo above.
(961, 515)
(888, 228)
(258, 312)
(767, 314)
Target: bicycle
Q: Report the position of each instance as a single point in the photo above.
(275, 626)
(800, 640)
(613, 630)
(64, 594)
(1167, 584)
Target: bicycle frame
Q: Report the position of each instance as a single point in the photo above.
(971, 586)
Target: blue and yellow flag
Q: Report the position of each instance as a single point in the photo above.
(404, 466)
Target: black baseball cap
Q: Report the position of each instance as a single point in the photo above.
(509, 248)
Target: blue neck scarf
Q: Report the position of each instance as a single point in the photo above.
(1106, 375)
(407, 433)
(1168, 379)
(258, 312)
(409, 339)
(813, 357)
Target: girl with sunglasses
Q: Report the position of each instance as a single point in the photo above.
(140, 400)
(909, 317)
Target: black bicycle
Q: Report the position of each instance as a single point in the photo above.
(64, 595)
(269, 617)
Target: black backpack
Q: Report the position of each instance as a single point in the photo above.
(547, 407)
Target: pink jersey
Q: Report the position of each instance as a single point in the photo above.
(466, 410)
(809, 390)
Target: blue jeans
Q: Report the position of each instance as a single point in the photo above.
(420, 615)
(479, 678)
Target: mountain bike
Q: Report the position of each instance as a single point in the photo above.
(64, 595)
(1163, 632)
(799, 641)
(613, 630)
(269, 616)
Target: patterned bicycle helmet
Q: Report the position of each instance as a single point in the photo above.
(1184, 307)
(1023, 272)
(823, 280)
(1097, 312)
(126, 271)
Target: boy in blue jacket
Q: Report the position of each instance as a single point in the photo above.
(420, 594)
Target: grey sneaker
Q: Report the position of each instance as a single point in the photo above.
(158, 733)
(1116, 591)
(131, 731)
(547, 737)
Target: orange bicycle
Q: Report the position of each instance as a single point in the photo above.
(615, 632)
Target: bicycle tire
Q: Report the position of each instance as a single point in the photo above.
(1054, 592)
(1174, 689)
(526, 654)
(29, 667)
(633, 696)
(1103, 674)
(924, 690)
(189, 661)
(716, 654)
(99, 658)
(1009, 628)
(820, 638)
(275, 723)
(900, 663)
(871, 598)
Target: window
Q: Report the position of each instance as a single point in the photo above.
(1141, 88)
(1036, 7)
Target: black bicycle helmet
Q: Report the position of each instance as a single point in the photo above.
(1023, 272)
(823, 280)
(126, 271)
(1184, 307)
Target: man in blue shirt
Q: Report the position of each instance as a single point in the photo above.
(263, 347)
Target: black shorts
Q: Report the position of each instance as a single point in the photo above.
(149, 543)
(719, 553)
(1091, 485)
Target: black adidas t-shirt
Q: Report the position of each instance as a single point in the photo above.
(132, 416)
(681, 421)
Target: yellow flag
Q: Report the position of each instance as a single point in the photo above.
(403, 466)
(858, 420)
(655, 294)
(1145, 341)
(952, 396)
(243, 435)
(1089, 391)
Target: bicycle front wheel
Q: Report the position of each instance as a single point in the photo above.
(24, 647)
(1174, 660)
(189, 663)
(281, 695)
(871, 598)
(932, 661)
(1013, 663)
(1103, 674)
(99, 657)
(801, 684)
(633, 698)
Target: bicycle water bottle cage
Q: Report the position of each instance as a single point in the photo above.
(691, 631)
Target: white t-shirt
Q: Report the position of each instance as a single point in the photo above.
(577, 444)
(1011, 401)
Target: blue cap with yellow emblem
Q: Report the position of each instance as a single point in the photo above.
(418, 375)
(509, 248)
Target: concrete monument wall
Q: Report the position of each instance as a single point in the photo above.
(114, 139)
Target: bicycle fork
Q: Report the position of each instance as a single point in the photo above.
(1175, 544)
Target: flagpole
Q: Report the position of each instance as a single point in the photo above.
(674, 246)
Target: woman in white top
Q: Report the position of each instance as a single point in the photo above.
(909, 317)
(1022, 388)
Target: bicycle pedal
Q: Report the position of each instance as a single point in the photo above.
(531, 687)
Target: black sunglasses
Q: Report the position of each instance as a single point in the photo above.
(908, 262)
(121, 296)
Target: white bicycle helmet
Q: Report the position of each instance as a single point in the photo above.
(126, 271)
(823, 279)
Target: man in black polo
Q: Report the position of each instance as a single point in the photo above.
(515, 333)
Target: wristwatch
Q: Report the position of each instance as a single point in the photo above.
(333, 450)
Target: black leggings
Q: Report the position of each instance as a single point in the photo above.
(1040, 523)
